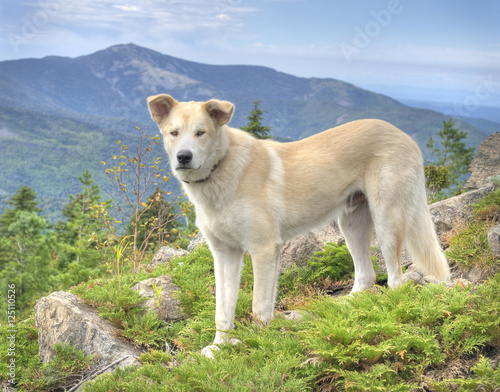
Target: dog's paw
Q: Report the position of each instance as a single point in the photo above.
(208, 351)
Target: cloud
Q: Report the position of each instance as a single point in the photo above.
(170, 15)
(127, 7)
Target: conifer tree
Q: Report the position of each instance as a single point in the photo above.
(29, 267)
(454, 154)
(23, 200)
(78, 256)
(80, 220)
(254, 125)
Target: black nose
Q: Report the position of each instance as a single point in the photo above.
(184, 156)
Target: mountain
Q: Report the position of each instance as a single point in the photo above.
(60, 115)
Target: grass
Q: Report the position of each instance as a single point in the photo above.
(469, 248)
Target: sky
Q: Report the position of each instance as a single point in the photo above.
(451, 46)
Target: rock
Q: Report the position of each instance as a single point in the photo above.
(329, 233)
(197, 240)
(486, 162)
(494, 240)
(293, 315)
(299, 250)
(165, 254)
(62, 318)
(169, 306)
(451, 214)
(413, 274)
(475, 275)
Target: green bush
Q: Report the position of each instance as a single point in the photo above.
(333, 262)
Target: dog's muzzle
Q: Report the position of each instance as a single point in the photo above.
(184, 157)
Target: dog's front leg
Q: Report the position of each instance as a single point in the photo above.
(227, 265)
(265, 261)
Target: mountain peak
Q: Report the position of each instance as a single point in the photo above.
(129, 50)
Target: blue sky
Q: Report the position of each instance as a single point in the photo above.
(442, 44)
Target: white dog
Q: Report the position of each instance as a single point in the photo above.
(254, 194)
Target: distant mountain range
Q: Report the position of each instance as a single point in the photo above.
(60, 116)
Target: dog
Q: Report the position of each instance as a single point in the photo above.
(254, 195)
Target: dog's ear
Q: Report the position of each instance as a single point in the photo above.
(219, 111)
(160, 106)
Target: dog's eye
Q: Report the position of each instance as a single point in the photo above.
(200, 133)
(174, 133)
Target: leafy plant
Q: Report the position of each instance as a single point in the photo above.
(333, 262)
(119, 250)
(134, 179)
(158, 294)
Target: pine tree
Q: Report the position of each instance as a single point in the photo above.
(254, 125)
(23, 200)
(80, 221)
(78, 256)
(29, 267)
(454, 153)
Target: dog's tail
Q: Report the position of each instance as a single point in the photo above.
(423, 244)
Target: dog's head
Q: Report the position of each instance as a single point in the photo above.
(192, 133)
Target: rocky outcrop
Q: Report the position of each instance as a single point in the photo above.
(61, 317)
(486, 162)
(451, 214)
(169, 309)
(165, 254)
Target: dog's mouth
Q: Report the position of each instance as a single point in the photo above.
(186, 167)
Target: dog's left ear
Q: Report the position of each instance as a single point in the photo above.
(160, 106)
(220, 111)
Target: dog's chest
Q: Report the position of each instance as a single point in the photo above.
(229, 225)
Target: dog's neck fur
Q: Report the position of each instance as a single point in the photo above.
(207, 177)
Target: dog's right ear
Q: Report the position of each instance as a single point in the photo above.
(160, 106)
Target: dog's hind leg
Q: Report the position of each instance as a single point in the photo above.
(265, 260)
(357, 228)
(390, 229)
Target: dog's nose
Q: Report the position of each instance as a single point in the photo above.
(184, 156)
